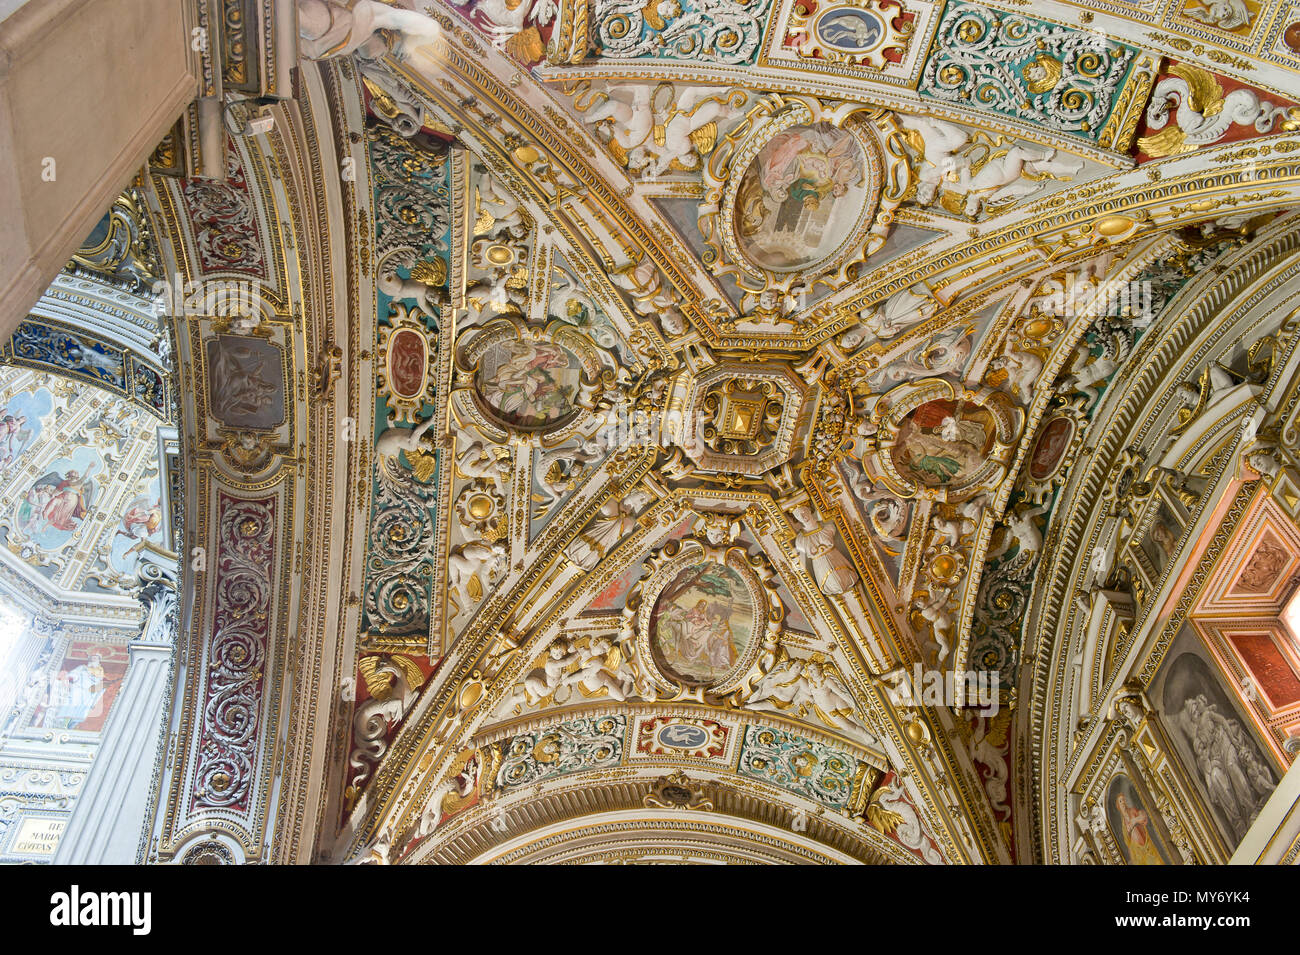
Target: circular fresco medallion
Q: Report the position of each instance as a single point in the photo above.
(942, 443)
(529, 385)
(702, 624)
(803, 195)
(1050, 448)
(408, 363)
(849, 29)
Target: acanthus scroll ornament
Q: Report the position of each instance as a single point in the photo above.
(1063, 79)
(709, 31)
(232, 706)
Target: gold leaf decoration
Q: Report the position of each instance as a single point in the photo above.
(430, 273)
(423, 464)
(885, 820)
(1168, 142)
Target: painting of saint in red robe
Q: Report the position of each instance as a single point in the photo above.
(54, 507)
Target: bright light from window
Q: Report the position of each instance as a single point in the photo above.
(1291, 617)
(11, 628)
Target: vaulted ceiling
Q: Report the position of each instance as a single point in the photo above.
(675, 418)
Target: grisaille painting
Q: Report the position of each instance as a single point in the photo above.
(800, 197)
(1133, 826)
(943, 442)
(1216, 745)
(850, 29)
(702, 622)
(1160, 543)
(245, 382)
(529, 384)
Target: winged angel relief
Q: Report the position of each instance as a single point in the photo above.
(591, 666)
(969, 173)
(656, 130)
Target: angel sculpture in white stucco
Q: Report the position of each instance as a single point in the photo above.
(507, 20)
(393, 441)
(501, 206)
(1022, 370)
(653, 141)
(946, 164)
(599, 667)
(328, 28)
(641, 279)
(479, 461)
(935, 612)
(615, 520)
(948, 531)
(629, 114)
(690, 129)
(459, 785)
(1018, 172)
(889, 318)
(1023, 531)
(809, 687)
(1092, 371)
(815, 540)
(559, 467)
(471, 563)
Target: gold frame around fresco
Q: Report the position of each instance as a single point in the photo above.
(895, 405)
(406, 408)
(886, 169)
(597, 380)
(664, 565)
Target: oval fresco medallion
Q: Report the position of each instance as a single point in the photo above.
(529, 385)
(849, 29)
(682, 736)
(803, 196)
(942, 443)
(1050, 448)
(702, 624)
(408, 363)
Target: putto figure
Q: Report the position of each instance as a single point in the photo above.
(329, 28)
